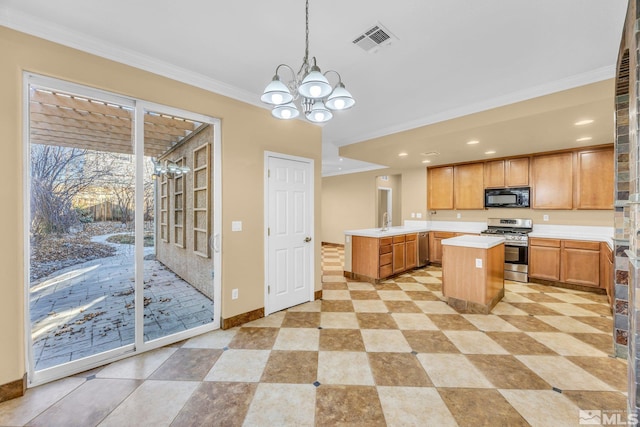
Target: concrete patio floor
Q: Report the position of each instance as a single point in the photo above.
(89, 308)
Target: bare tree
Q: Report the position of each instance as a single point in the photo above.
(58, 175)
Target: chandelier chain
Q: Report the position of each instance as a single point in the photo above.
(304, 68)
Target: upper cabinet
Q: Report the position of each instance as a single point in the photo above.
(552, 181)
(571, 179)
(506, 173)
(581, 179)
(594, 179)
(440, 188)
(468, 184)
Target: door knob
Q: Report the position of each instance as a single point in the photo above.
(307, 239)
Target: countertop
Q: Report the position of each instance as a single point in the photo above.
(566, 232)
(391, 231)
(480, 242)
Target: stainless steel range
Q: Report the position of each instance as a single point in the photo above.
(516, 246)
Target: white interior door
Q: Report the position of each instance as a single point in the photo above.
(289, 232)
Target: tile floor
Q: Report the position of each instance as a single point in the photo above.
(392, 354)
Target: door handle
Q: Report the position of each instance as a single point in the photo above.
(214, 242)
(307, 239)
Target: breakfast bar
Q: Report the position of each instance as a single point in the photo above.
(472, 272)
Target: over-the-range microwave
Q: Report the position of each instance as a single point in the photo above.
(517, 197)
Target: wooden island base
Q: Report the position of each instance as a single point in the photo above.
(473, 273)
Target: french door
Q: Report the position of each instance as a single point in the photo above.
(122, 210)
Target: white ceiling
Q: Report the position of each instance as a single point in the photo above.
(451, 59)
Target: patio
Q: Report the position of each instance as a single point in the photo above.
(88, 308)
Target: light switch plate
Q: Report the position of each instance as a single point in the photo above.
(545, 217)
(234, 293)
(413, 214)
(418, 215)
(236, 225)
(478, 262)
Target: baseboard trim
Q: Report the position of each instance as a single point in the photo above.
(569, 286)
(13, 389)
(317, 295)
(241, 319)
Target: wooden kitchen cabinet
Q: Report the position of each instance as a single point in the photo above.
(435, 244)
(411, 251)
(468, 186)
(552, 181)
(399, 252)
(577, 262)
(378, 258)
(606, 271)
(544, 259)
(506, 173)
(440, 188)
(594, 179)
(385, 257)
(580, 263)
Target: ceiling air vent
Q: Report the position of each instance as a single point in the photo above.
(374, 38)
(430, 153)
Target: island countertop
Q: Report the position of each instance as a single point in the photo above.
(480, 242)
(391, 231)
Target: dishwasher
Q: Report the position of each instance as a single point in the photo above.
(423, 248)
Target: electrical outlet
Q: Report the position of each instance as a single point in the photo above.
(545, 217)
(418, 215)
(458, 215)
(413, 215)
(234, 293)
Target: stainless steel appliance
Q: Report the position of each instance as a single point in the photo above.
(423, 248)
(517, 197)
(516, 246)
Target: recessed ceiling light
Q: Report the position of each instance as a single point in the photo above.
(583, 122)
(341, 159)
(473, 142)
(426, 161)
(490, 152)
(403, 154)
(584, 138)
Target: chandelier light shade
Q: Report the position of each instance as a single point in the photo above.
(340, 99)
(308, 90)
(319, 113)
(276, 93)
(285, 111)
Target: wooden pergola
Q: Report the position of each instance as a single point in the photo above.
(76, 122)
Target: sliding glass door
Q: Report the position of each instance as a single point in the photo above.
(120, 220)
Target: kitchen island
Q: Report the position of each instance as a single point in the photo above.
(473, 272)
(374, 254)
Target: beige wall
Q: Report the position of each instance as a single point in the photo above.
(247, 131)
(348, 202)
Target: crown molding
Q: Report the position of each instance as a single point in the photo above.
(40, 28)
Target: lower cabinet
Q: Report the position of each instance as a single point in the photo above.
(379, 258)
(435, 244)
(399, 251)
(411, 251)
(544, 259)
(606, 271)
(576, 262)
(580, 263)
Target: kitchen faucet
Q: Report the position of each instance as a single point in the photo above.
(385, 221)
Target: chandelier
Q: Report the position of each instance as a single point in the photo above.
(309, 88)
